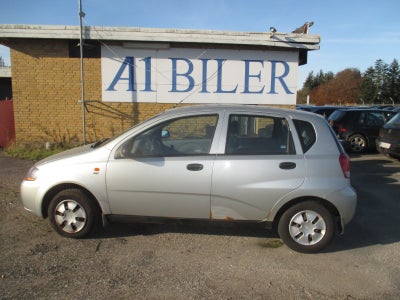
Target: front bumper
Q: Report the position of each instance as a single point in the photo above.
(31, 198)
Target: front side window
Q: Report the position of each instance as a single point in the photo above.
(177, 137)
(361, 119)
(375, 119)
(258, 135)
(395, 121)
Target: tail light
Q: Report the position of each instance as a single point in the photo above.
(344, 161)
(341, 128)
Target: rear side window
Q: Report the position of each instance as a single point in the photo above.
(258, 135)
(375, 119)
(306, 133)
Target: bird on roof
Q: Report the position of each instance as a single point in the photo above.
(272, 31)
(304, 28)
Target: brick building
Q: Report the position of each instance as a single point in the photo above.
(5, 83)
(46, 75)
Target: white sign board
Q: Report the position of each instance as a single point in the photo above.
(186, 75)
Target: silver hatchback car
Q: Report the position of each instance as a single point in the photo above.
(216, 162)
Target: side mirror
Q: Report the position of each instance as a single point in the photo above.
(165, 134)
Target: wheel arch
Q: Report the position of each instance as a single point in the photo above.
(65, 186)
(325, 203)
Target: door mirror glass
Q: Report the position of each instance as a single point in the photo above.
(165, 134)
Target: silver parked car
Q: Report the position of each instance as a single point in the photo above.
(216, 162)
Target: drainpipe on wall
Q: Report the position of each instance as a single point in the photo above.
(81, 15)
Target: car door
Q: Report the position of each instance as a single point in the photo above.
(164, 171)
(259, 167)
(369, 123)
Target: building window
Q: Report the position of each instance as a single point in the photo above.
(91, 49)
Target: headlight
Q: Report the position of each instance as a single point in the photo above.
(32, 174)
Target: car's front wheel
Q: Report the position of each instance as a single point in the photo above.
(72, 214)
(306, 227)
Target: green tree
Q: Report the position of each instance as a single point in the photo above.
(312, 83)
(392, 86)
(2, 62)
(380, 80)
(368, 88)
(309, 82)
(380, 83)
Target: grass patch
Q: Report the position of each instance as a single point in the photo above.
(31, 153)
(275, 243)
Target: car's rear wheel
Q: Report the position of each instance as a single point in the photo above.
(358, 143)
(306, 227)
(73, 214)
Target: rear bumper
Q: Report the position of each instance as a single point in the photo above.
(388, 147)
(345, 201)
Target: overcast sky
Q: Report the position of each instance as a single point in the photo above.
(354, 33)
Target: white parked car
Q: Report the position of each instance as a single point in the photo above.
(215, 162)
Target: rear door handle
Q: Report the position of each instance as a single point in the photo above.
(287, 165)
(194, 167)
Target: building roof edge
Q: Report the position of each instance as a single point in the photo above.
(139, 34)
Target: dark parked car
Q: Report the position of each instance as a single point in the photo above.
(359, 128)
(325, 110)
(388, 141)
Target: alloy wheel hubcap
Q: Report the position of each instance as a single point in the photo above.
(307, 227)
(357, 144)
(70, 216)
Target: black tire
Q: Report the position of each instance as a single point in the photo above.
(73, 214)
(306, 227)
(357, 143)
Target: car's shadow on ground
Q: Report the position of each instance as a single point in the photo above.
(376, 220)
(188, 227)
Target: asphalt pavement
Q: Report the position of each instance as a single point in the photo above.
(204, 261)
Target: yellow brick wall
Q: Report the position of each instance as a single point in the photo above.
(47, 90)
(46, 86)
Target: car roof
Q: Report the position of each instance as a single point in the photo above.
(363, 109)
(206, 108)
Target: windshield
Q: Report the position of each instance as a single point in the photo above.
(109, 140)
(395, 121)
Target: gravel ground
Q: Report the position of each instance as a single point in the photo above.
(190, 261)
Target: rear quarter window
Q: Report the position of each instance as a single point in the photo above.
(258, 135)
(306, 132)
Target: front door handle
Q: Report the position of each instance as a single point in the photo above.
(287, 165)
(194, 167)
